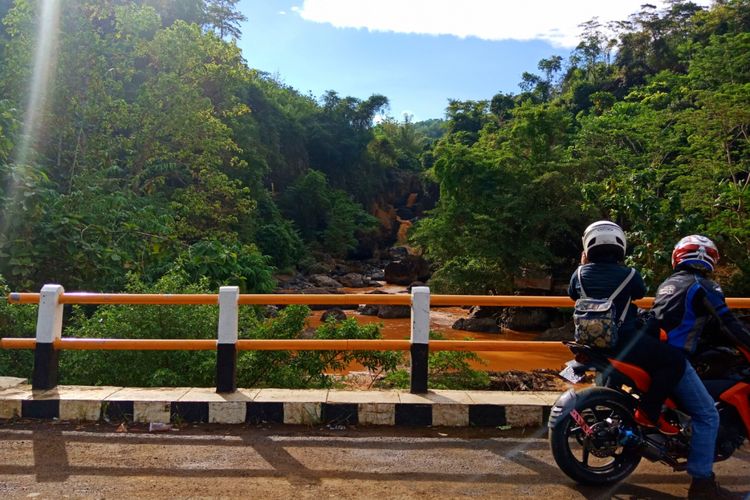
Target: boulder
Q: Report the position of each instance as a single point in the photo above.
(407, 270)
(377, 275)
(319, 267)
(270, 311)
(335, 313)
(485, 312)
(354, 280)
(529, 319)
(390, 312)
(398, 253)
(487, 325)
(324, 281)
(370, 309)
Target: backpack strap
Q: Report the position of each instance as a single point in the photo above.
(580, 283)
(617, 292)
(614, 294)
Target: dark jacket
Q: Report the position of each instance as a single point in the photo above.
(600, 279)
(686, 302)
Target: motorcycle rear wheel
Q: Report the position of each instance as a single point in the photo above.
(598, 459)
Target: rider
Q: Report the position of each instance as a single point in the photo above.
(683, 305)
(602, 272)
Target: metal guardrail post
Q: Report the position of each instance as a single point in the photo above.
(420, 337)
(226, 348)
(48, 329)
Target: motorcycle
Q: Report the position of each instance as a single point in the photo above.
(592, 433)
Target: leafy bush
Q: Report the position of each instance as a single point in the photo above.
(194, 368)
(16, 321)
(228, 264)
(145, 368)
(307, 368)
(445, 370)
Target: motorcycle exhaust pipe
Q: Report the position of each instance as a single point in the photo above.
(647, 448)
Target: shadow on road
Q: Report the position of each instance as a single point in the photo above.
(305, 457)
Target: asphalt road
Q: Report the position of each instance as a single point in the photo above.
(47, 460)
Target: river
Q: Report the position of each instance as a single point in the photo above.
(441, 320)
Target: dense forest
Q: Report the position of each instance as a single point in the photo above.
(154, 155)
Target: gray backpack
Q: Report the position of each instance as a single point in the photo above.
(595, 320)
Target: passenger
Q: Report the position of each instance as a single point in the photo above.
(684, 304)
(601, 273)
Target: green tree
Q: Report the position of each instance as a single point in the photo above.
(223, 17)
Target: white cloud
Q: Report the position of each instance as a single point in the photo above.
(555, 21)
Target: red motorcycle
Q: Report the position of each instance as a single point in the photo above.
(592, 433)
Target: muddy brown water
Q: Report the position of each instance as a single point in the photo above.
(441, 320)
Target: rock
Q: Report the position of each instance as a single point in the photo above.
(349, 266)
(270, 311)
(487, 324)
(371, 309)
(377, 275)
(529, 318)
(335, 313)
(324, 281)
(307, 333)
(296, 282)
(413, 284)
(485, 312)
(406, 271)
(398, 253)
(320, 268)
(368, 309)
(390, 312)
(353, 280)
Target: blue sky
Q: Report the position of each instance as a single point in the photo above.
(418, 53)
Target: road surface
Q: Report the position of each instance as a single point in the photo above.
(48, 460)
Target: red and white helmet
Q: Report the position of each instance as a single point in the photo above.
(697, 251)
(604, 232)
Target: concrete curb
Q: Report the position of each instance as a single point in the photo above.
(253, 406)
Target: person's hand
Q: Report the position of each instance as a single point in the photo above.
(584, 259)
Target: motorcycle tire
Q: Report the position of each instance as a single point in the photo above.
(601, 461)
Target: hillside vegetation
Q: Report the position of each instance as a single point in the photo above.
(155, 158)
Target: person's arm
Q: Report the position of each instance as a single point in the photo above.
(573, 287)
(713, 300)
(637, 287)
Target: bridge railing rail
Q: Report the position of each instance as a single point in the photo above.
(52, 298)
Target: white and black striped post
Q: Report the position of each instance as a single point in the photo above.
(420, 337)
(226, 348)
(48, 329)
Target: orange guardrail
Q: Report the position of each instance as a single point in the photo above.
(49, 328)
(325, 299)
(212, 299)
(79, 344)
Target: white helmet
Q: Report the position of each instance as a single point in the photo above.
(604, 232)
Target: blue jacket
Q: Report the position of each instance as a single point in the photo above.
(684, 304)
(600, 279)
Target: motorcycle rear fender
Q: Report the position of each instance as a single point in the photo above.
(569, 399)
(562, 407)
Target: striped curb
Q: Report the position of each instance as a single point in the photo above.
(299, 407)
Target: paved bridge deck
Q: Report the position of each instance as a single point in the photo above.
(307, 407)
